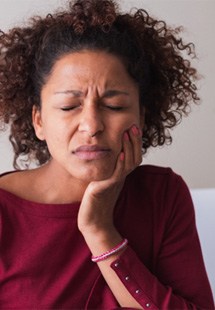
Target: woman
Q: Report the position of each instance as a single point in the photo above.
(85, 92)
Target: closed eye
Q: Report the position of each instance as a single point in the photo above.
(69, 108)
(114, 108)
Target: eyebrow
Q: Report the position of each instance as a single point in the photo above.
(76, 93)
(113, 93)
(106, 94)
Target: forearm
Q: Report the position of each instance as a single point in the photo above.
(100, 243)
(134, 286)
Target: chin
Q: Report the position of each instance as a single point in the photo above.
(90, 175)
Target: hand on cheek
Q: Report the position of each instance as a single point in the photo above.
(96, 210)
(131, 149)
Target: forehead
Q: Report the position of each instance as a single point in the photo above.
(95, 67)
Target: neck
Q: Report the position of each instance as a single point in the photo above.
(58, 185)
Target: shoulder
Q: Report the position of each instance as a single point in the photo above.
(160, 192)
(154, 170)
(15, 182)
(158, 175)
(8, 178)
(160, 182)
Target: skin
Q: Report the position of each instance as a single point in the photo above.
(88, 100)
(88, 94)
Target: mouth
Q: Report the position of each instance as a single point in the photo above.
(91, 152)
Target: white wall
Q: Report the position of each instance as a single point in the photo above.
(204, 201)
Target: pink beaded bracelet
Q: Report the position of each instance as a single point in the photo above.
(105, 255)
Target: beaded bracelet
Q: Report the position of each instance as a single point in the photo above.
(105, 255)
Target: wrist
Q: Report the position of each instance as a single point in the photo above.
(100, 232)
(96, 227)
(102, 241)
(110, 253)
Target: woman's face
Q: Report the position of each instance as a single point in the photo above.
(87, 103)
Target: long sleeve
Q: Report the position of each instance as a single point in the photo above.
(177, 279)
(151, 293)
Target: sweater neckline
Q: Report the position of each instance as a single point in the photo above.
(37, 208)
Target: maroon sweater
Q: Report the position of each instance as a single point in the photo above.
(45, 262)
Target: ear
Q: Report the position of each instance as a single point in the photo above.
(37, 123)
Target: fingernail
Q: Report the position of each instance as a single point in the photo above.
(122, 156)
(135, 130)
(126, 137)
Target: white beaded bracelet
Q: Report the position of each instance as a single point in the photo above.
(105, 255)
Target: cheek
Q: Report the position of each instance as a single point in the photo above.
(120, 128)
(55, 129)
(125, 124)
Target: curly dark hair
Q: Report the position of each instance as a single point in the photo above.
(152, 52)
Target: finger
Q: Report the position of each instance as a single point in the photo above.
(118, 173)
(136, 141)
(129, 154)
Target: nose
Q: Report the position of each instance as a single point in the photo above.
(91, 121)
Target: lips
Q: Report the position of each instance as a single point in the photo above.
(91, 152)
